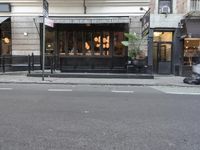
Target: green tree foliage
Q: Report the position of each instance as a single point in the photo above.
(133, 42)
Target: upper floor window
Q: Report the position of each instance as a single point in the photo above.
(165, 6)
(195, 5)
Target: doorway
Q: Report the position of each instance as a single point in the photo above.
(162, 58)
(162, 52)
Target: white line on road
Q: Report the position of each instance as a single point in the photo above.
(114, 91)
(6, 89)
(182, 93)
(59, 90)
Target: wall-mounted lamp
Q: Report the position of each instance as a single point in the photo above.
(6, 40)
(142, 9)
(25, 34)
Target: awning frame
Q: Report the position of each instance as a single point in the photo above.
(87, 20)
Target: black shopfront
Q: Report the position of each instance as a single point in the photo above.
(190, 42)
(93, 46)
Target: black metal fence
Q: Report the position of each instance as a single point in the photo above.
(26, 63)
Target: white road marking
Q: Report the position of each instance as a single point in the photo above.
(178, 90)
(114, 91)
(181, 93)
(6, 89)
(60, 90)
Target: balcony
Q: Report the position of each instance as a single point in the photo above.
(195, 5)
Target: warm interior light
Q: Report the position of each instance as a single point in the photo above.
(49, 45)
(87, 46)
(6, 40)
(157, 33)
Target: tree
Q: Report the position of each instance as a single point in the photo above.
(133, 43)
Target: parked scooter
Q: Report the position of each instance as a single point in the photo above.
(195, 78)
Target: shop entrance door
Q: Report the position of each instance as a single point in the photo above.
(162, 55)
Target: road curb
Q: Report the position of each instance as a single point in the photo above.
(100, 84)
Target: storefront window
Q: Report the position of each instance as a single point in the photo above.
(61, 46)
(80, 43)
(50, 41)
(88, 41)
(69, 43)
(163, 37)
(118, 47)
(5, 35)
(191, 51)
(88, 44)
(97, 43)
(106, 43)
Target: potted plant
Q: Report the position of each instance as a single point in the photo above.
(135, 54)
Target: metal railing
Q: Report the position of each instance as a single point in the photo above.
(28, 63)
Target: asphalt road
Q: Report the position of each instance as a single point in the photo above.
(71, 117)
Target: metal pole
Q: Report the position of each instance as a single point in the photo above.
(4, 70)
(29, 64)
(43, 49)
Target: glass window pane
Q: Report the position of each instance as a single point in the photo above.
(163, 37)
(165, 3)
(165, 52)
(61, 44)
(79, 43)
(119, 49)
(50, 38)
(70, 43)
(97, 43)
(106, 43)
(5, 36)
(191, 51)
(88, 49)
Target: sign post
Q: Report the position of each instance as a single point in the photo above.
(45, 15)
(145, 23)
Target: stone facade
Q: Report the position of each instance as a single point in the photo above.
(25, 36)
(181, 6)
(23, 13)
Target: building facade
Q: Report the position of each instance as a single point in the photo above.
(87, 34)
(173, 37)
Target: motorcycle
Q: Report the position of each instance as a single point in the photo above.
(195, 78)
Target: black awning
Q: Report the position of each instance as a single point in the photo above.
(191, 27)
(2, 19)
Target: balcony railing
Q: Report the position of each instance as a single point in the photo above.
(195, 5)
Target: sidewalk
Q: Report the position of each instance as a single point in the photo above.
(159, 80)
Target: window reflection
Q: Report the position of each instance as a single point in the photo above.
(118, 47)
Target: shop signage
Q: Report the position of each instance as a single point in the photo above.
(5, 7)
(145, 23)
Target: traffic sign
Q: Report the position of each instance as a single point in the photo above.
(49, 22)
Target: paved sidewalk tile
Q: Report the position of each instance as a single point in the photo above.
(159, 80)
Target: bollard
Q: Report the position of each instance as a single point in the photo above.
(29, 64)
(33, 62)
(51, 64)
(3, 64)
